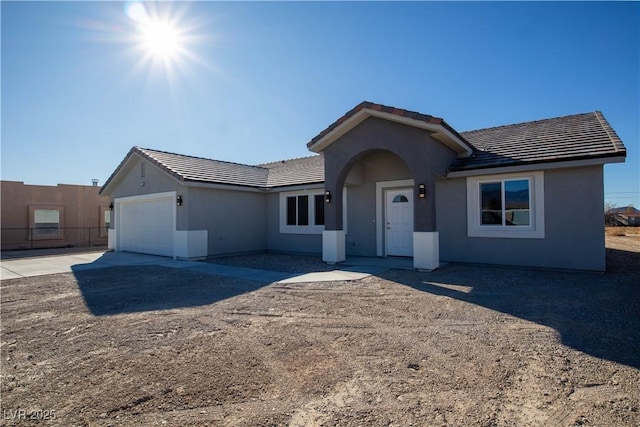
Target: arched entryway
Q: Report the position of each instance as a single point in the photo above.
(425, 144)
(376, 160)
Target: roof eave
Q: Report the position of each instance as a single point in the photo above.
(105, 188)
(137, 151)
(440, 131)
(539, 165)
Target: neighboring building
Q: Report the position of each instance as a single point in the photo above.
(624, 216)
(385, 182)
(41, 216)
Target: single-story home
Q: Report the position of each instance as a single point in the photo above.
(48, 216)
(383, 182)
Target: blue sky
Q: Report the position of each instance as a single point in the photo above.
(254, 82)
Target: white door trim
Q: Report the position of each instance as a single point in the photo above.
(381, 187)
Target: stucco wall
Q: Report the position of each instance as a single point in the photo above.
(361, 199)
(574, 225)
(424, 156)
(81, 210)
(132, 183)
(236, 221)
(282, 242)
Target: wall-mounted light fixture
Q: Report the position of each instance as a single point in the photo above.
(422, 191)
(179, 200)
(327, 197)
(111, 206)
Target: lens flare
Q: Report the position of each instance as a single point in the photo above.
(161, 38)
(136, 11)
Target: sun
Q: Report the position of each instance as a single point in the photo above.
(158, 35)
(161, 39)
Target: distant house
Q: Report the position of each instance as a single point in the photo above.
(384, 182)
(43, 216)
(624, 216)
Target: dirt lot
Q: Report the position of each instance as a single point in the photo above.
(464, 345)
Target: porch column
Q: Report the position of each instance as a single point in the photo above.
(333, 236)
(333, 246)
(426, 250)
(426, 241)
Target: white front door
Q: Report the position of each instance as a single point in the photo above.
(399, 222)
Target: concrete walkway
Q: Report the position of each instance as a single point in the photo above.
(38, 266)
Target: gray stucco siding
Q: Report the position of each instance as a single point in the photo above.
(377, 166)
(286, 242)
(574, 225)
(154, 181)
(425, 157)
(235, 220)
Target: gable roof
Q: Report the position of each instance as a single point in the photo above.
(198, 169)
(575, 137)
(439, 128)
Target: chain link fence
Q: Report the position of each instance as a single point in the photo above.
(52, 237)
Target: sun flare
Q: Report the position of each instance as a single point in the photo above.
(158, 34)
(161, 39)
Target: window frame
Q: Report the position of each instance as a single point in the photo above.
(310, 227)
(535, 229)
(32, 222)
(104, 226)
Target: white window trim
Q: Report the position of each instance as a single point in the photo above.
(535, 230)
(311, 228)
(34, 235)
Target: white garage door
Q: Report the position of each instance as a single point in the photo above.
(146, 224)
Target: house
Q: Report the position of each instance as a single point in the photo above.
(46, 216)
(625, 216)
(383, 182)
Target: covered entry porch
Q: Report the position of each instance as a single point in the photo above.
(389, 163)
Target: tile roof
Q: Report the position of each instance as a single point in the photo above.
(198, 169)
(185, 168)
(305, 170)
(575, 137)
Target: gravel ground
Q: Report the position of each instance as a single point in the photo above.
(297, 264)
(465, 345)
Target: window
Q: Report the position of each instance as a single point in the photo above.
(505, 203)
(298, 210)
(510, 206)
(302, 212)
(46, 222)
(400, 199)
(318, 213)
(105, 221)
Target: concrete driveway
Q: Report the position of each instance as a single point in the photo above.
(54, 264)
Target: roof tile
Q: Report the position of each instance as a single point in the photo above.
(185, 168)
(579, 136)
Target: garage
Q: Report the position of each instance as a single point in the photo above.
(146, 224)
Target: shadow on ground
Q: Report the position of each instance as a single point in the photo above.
(130, 289)
(598, 314)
